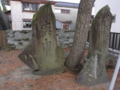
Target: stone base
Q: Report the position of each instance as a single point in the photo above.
(49, 72)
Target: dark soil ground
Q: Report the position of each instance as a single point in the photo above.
(15, 75)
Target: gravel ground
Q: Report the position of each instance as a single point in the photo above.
(15, 75)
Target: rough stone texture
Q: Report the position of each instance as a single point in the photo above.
(114, 53)
(18, 39)
(65, 38)
(42, 53)
(94, 71)
(4, 23)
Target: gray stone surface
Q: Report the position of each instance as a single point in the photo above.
(61, 40)
(114, 53)
(20, 39)
(65, 38)
(42, 53)
(4, 23)
(94, 70)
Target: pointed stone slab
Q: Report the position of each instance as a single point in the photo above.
(94, 71)
(43, 54)
(28, 55)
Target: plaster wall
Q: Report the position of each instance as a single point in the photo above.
(16, 15)
(27, 15)
(58, 25)
(70, 17)
(114, 6)
(67, 17)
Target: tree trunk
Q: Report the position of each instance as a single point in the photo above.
(82, 27)
(94, 71)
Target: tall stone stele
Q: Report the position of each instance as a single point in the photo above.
(4, 23)
(42, 54)
(94, 71)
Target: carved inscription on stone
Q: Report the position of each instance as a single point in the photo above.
(46, 33)
(42, 53)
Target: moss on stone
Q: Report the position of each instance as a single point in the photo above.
(26, 39)
(42, 50)
(94, 71)
(24, 32)
(18, 39)
(40, 10)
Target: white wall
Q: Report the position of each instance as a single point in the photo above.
(16, 15)
(67, 17)
(27, 15)
(72, 16)
(114, 7)
(93, 11)
(58, 24)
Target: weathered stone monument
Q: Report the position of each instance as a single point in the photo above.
(42, 54)
(94, 71)
(4, 23)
